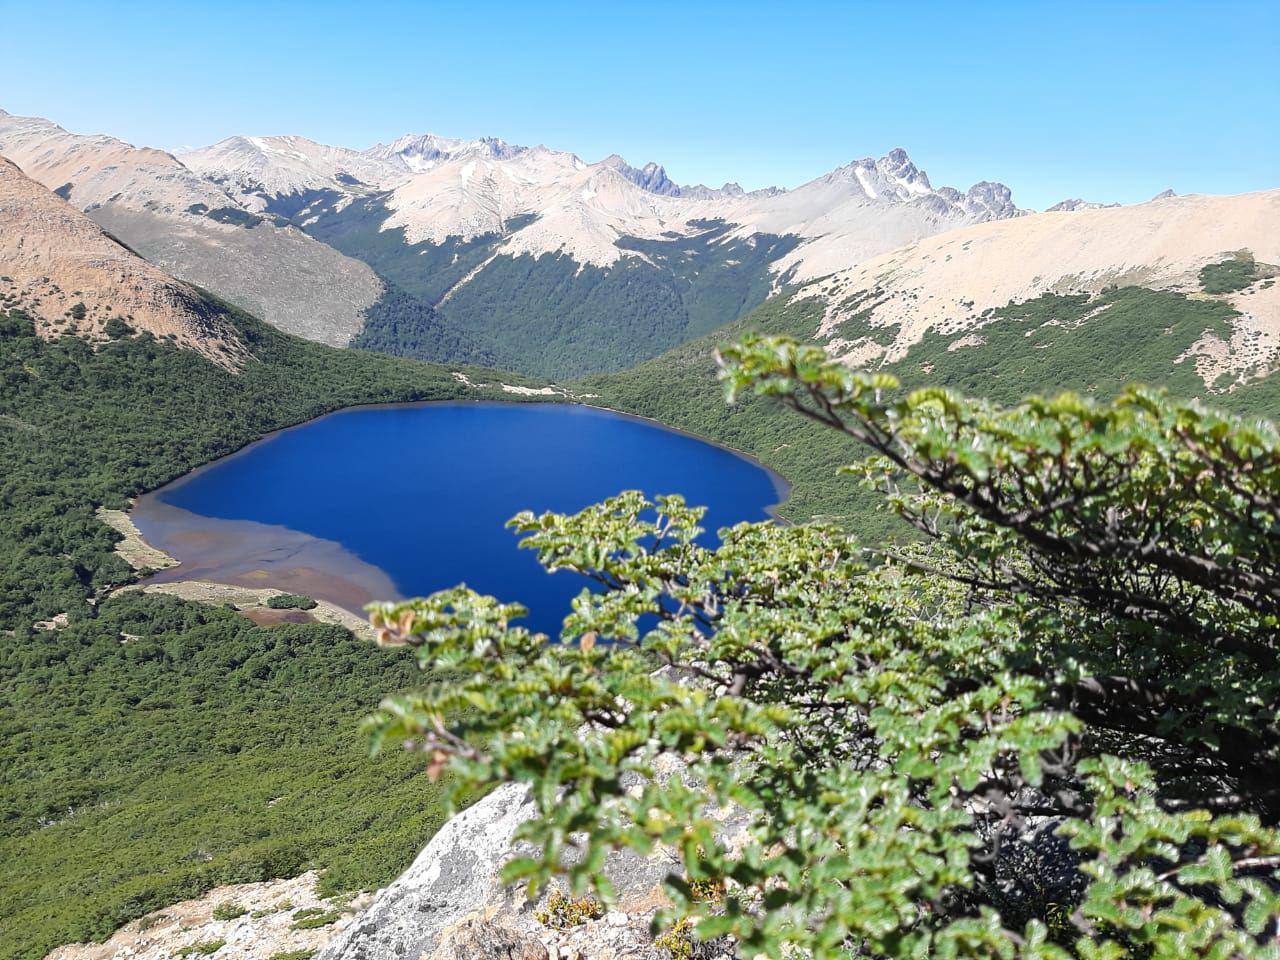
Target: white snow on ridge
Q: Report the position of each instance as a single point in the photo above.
(438, 187)
(860, 210)
(256, 168)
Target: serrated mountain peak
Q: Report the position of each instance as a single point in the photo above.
(419, 152)
(1072, 204)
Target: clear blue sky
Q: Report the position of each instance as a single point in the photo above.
(1109, 101)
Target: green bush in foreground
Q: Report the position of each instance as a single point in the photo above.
(1047, 730)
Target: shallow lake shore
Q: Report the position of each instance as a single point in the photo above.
(248, 598)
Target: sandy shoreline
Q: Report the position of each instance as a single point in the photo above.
(249, 590)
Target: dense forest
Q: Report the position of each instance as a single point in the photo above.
(406, 326)
(162, 748)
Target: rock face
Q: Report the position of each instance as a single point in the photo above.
(476, 939)
(295, 283)
(189, 226)
(455, 875)
(450, 903)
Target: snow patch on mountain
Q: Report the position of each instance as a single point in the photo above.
(1072, 204)
(419, 152)
(255, 169)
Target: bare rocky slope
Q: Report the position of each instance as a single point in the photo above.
(65, 272)
(951, 284)
(196, 231)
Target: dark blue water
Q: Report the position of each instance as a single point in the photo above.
(423, 492)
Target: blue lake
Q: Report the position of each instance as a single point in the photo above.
(379, 502)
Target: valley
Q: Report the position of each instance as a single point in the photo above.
(313, 373)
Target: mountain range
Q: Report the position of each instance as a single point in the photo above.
(448, 249)
(126, 363)
(534, 259)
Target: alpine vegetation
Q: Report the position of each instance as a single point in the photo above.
(1043, 726)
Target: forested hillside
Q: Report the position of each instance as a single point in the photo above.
(1092, 345)
(163, 748)
(549, 314)
(156, 748)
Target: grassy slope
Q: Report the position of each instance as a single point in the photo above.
(137, 772)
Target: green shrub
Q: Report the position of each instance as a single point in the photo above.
(204, 948)
(228, 911)
(1230, 275)
(313, 918)
(1045, 730)
(678, 940)
(561, 912)
(290, 601)
(115, 328)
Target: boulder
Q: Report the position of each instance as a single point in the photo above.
(454, 876)
(452, 893)
(479, 939)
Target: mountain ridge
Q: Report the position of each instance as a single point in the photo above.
(952, 283)
(62, 270)
(193, 229)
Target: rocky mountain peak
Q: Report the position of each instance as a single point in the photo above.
(898, 166)
(417, 152)
(651, 177)
(995, 199)
(1072, 204)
